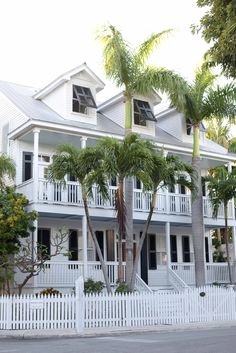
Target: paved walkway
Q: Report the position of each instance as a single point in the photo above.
(69, 333)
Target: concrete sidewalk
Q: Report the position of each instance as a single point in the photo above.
(71, 333)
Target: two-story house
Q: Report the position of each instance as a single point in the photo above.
(33, 122)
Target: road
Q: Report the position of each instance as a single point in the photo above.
(201, 341)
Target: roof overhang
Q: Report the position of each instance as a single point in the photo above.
(66, 77)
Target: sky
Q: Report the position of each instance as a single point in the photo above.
(40, 40)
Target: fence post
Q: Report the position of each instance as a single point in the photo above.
(9, 312)
(79, 297)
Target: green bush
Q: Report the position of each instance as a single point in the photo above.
(49, 291)
(91, 286)
(122, 288)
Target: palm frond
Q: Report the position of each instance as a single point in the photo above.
(220, 102)
(7, 168)
(163, 80)
(146, 48)
(117, 56)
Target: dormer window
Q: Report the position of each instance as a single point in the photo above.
(142, 113)
(82, 99)
(189, 126)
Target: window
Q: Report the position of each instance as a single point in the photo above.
(44, 242)
(82, 99)
(100, 239)
(142, 112)
(27, 166)
(152, 252)
(173, 248)
(73, 245)
(206, 249)
(189, 126)
(186, 249)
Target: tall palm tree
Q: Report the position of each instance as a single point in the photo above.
(7, 169)
(129, 70)
(222, 189)
(124, 159)
(86, 166)
(161, 172)
(204, 101)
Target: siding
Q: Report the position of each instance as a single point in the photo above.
(9, 113)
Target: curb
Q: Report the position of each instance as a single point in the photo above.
(27, 335)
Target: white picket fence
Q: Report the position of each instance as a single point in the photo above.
(79, 311)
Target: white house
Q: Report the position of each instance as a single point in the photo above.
(33, 122)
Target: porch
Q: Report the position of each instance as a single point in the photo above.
(62, 275)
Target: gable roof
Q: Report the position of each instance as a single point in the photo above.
(23, 98)
(66, 77)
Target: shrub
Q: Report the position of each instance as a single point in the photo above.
(122, 288)
(49, 291)
(91, 286)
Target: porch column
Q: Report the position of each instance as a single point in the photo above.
(229, 171)
(234, 255)
(167, 231)
(167, 191)
(83, 141)
(34, 249)
(35, 165)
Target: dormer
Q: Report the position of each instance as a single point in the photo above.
(73, 95)
(143, 119)
(177, 125)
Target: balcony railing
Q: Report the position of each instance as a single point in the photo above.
(70, 194)
(64, 274)
(215, 272)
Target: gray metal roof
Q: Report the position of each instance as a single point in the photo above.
(34, 109)
(22, 97)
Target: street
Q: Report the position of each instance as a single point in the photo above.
(201, 341)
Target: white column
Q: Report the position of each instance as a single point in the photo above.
(83, 140)
(229, 171)
(167, 231)
(167, 191)
(35, 165)
(34, 249)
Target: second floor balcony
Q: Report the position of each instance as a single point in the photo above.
(69, 194)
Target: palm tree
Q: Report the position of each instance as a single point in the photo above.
(203, 101)
(121, 160)
(86, 166)
(161, 172)
(222, 189)
(129, 70)
(7, 169)
(219, 131)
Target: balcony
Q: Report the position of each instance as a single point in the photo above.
(70, 194)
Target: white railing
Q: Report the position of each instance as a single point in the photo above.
(140, 285)
(64, 274)
(215, 272)
(176, 281)
(70, 194)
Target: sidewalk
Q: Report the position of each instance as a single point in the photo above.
(71, 333)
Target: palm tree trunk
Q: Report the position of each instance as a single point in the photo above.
(129, 228)
(141, 241)
(97, 247)
(129, 198)
(197, 215)
(227, 240)
(121, 218)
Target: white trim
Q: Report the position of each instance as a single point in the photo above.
(66, 77)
